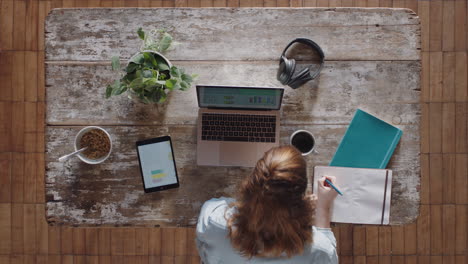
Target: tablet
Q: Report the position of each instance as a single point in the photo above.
(157, 164)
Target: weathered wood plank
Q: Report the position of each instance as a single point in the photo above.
(343, 33)
(5, 228)
(75, 93)
(424, 231)
(104, 247)
(42, 230)
(359, 240)
(6, 20)
(436, 230)
(83, 194)
(410, 239)
(19, 25)
(385, 241)
(5, 178)
(346, 240)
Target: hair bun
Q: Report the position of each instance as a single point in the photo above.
(281, 187)
(280, 173)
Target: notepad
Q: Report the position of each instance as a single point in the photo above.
(366, 194)
(368, 143)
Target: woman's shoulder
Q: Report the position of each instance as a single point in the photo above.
(324, 241)
(218, 201)
(215, 211)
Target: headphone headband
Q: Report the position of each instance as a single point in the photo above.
(305, 75)
(309, 43)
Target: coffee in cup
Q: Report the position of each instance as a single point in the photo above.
(304, 141)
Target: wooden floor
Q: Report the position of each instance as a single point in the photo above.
(440, 234)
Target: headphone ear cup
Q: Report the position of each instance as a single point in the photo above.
(301, 78)
(302, 74)
(296, 83)
(286, 70)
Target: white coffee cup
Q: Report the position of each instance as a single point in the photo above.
(77, 145)
(304, 141)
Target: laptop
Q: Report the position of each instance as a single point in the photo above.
(236, 125)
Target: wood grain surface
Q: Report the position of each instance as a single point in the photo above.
(219, 34)
(372, 63)
(388, 89)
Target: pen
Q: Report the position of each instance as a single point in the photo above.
(333, 186)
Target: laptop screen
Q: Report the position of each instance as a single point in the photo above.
(239, 97)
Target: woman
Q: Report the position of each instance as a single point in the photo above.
(272, 220)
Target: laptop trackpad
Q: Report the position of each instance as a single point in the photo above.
(238, 154)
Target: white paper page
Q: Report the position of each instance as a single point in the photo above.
(363, 194)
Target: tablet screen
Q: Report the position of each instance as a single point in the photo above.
(157, 164)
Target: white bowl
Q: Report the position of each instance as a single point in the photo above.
(81, 156)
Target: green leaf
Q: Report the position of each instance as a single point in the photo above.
(187, 78)
(131, 67)
(136, 84)
(115, 63)
(150, 61)
(163, 97)
(155, 73)
(138, 73)
(156, 95)
(147, 74)
(165, 42)
(149, 88)
(175, 72)
(153, 61)
(147, 56)
(184, 86)
(128, 78)
(152, 46)
(121, 89)
(115, 87)
(108, 91)
(177, 86)
(163, 75)
(150, 81)
(170, 84)
(141, 33)
(138, 59)
(163, 66)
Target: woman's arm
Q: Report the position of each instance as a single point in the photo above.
(325, 197)
(322, 217)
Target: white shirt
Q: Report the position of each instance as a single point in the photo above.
(214, 245)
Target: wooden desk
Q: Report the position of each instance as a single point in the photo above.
(372, 63)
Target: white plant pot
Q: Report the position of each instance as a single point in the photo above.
(168, 62)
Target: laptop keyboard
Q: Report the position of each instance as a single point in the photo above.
(237, 127)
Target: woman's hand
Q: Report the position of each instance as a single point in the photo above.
(326, 196)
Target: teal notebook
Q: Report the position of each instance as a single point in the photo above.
(368, 143)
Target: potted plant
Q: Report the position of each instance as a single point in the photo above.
(149, 76)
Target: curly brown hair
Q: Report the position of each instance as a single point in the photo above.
(273, 214)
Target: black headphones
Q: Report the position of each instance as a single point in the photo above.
(287, 66)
